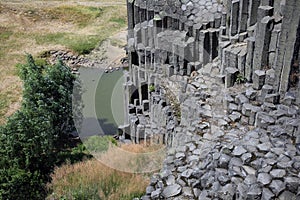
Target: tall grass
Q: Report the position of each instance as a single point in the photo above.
(93, 180)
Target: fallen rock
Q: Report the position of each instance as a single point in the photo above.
(171, 191)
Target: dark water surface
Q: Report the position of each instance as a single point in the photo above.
(103, 102)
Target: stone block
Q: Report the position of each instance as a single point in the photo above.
(272, 98)
(251, 94)
(267, 107)
(230, 76)
(289, 99)
(270, 76)
(267, 194)
(136, 102)
(139, 110)
(145, 105)
(234, 39)
(124, 129)
(131, 109)
(264, 10)
(265, 90)
(140, 133)
(170, 70)
(246, 109)
(252, 117)
(251, 31)
(258, 79)
(241, 99)
(263, 120)
(242, 36)
(235, 116)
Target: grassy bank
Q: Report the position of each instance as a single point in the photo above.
(36, 28)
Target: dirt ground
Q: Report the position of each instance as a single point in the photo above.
(111, 50)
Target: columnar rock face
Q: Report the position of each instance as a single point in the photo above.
(218, 82)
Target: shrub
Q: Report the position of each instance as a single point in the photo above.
(151, 88)
(99, 143)
(30, 140)
(240, 79)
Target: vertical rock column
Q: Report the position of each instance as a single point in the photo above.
(243, 15)
(133, 127)
(204, 47)
(190, 50)
(214, 43)
(249, 58)
(144, 33)
(140, 133)
(127, 93)
(267, 2)
(157, 28)
(286, 45)
(263, 37)
(273, 48)
(226, 15)
(234, 19)
(174, 58)
(276, 5)
(150, 34)
(137, 34)
(253, 7)
(130, 17)
(242, 61)
(262, 41)
(196, 33)
(135, 74)
(136, 13)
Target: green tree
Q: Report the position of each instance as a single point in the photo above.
(33, 136)
(50, 88)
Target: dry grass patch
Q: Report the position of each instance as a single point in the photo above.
(93, 180)
(132, 158)
(141, 148)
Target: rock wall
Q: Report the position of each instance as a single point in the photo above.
(218, 82)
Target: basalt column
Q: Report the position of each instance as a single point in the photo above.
(287, 45)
